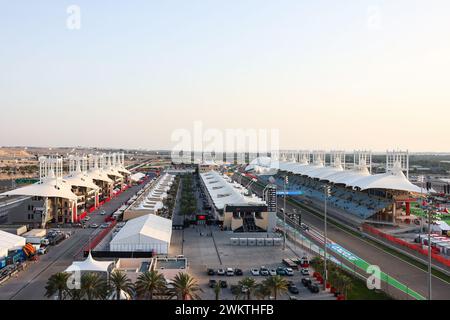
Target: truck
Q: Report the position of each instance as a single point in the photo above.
(35, 236)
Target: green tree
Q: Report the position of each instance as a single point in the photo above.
(93, 286)
(186, 287)
(118, 282)
(150, 283)
(248, 283)
(217, 289)
(57, 284)
(261, 291)
(276, 284)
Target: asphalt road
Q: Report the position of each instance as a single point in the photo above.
(30, 283)
(405, 272)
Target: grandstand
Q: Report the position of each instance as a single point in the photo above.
(355, 191)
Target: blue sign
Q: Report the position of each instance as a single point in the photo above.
(290, 193)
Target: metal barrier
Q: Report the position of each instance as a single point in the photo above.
(412, 246)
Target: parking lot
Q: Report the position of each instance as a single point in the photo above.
(215, 251)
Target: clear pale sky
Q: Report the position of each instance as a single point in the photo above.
(328, 74)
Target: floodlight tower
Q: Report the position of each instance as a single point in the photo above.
(362, 158)
(398, 159)
(337, 158)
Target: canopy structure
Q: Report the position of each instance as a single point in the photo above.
(9, 241)
(225, 192)
(146, 233)
(122, 169)
(394, 180)
(56, 188)
(137, 176)
(80, 180)
(359, 177)
(90, 265)
(99, 174)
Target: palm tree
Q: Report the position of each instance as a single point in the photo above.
(185, 287)
(149, 283)
(276, 284)
(261, 291)
(93, 286)
(75, 294)
(217, 288)
(248, 283)
(346, 285)
(57, 283)
(119, 282)
(236, 291)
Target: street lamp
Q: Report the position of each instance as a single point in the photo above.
(327, 194)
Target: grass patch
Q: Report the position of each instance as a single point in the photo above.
(359, 291)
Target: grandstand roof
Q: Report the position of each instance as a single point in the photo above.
(358, 177)
(393, 180)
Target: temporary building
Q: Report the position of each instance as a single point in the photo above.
(148, 233)
(9, 241)
(90, 264)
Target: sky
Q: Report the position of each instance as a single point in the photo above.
(355, 74)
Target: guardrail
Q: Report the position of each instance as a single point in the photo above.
(99, 237)
(412, 246)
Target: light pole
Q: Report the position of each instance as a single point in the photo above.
(429, 254)
(286, 181)
(327, 194)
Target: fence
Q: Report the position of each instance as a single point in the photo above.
(353, 265)
(413, 246)
(99, 237)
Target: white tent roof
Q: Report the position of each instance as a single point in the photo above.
(81, 180)
(89, 265)
(137, 176)
(359, 177)
(122, 170)
(48, 188)
(9, 241)
(394, 180)
(224, 192)
(141, 229)
(99, 174)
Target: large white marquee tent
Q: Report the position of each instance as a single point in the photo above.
(147, 233)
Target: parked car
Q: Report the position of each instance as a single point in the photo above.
(223, 284)
(103, 212)
(293, 289)
(42, 250)
(254, 272)
(281, 271)
(304, 272)
(306, 281)
(304, 227)
(238, 272)
(221, 272)
(273, 272)
(289, 271)
(87, 218)
(313, 287)
(94, 226)
(211, 272)
(104, 225)
(230, 272)
(264, 271)
(212, 283)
